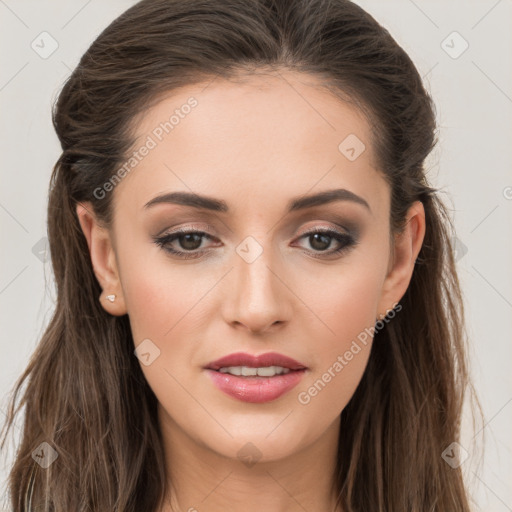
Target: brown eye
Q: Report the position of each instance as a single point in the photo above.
(186, 243)
(190, 242)
(186, 240)
(321, 240)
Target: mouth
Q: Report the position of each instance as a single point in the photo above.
(262, 371)
(255, 379)
(241, 363)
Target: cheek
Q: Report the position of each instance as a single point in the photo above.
(157, 296)
(346, 307)
(351, 307)
(165, 306)
(344, 301)
(162, 307)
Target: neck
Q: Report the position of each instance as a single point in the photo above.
(200, 479)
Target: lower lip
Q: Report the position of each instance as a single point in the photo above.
(255, 389)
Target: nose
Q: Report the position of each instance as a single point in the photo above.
(257, 298)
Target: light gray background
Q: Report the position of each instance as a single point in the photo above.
(473, 164)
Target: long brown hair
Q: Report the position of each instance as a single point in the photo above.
(86, 395)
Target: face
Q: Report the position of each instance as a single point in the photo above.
(257, 268)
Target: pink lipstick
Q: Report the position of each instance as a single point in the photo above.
(255, 379)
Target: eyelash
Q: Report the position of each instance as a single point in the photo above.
(164, 242)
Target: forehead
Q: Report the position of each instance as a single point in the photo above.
(264, 104)
(270, 132)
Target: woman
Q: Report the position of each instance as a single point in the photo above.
(258, 306)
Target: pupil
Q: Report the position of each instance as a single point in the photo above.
(191, 238)
(322, 238)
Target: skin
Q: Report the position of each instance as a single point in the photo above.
(255, 145)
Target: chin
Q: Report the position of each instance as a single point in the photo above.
(253, 445)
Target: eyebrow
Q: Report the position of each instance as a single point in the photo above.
(209, 203)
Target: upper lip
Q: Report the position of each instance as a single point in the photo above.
(267, 359)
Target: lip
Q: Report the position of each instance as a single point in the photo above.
(255, 389)
(267, 359)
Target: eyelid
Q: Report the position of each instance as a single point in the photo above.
(316, 228)
(209, 229)
(185, 229)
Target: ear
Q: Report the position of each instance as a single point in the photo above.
(103, 259)
(404, 253)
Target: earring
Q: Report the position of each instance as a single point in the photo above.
(111, 298)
